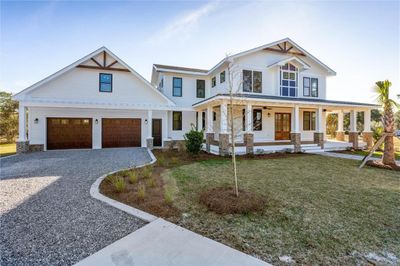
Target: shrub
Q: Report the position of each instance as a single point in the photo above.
(161, 161)
(141, 193)
(194, 140)
(168, 196)
(174, 160)
(118, 183)
(133, 177)
(147, 171)
(151, 182)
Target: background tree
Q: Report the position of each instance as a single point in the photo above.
(8, 117)
(331, 124)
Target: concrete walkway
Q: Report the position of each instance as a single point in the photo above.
(164, 243)
(348, 156)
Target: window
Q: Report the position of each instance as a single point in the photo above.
(213, 82)
(222, 77)
(257, 120)
(214, 116)
(252, 81)
(244, 119)
(314, 87)
(105, 82)
(161, 84)
(203, 120)
(306, 86)
(308, 121)
(310, 87)
(176, 120)
(201, 88)
(177, 87)
(288, 80)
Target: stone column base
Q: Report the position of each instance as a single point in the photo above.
(36, 147)
(22, 146)
(295, 139)
(319, 139)
(223, 144)
(340, 135)
(168, 144)
(248, 139)
(149, 143)
(209, 140)
(367, 137)
(353, 138)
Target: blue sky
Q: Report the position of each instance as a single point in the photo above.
(359, 40)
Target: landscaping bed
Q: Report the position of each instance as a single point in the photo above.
(318, 210)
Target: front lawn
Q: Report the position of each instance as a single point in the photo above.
(7, 149)
(319, 210)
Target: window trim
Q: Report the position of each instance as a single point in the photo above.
(173, 87)
(296, 87)
(312, 119)
(252, 81)
(255, 111)
(111, 83)
(213, 82)
(180, 121)
(309, 87)
(220, 77)
(311, 91)
(197, 88)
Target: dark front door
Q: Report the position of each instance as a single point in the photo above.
(157, 135)
(121, 132)
(69, 133)
(282, 126)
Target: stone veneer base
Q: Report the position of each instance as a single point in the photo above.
(319, 139)
(295, 139)
(353, 138)
(340, 135)
(209, 140)
(248, 139)
(223, 144)
(149, 143)
(367, 138)
(22, 146)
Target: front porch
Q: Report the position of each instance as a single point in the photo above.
(272, 126)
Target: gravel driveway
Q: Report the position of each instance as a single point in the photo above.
(47, 214)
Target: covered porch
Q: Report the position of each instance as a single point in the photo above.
(263, 125)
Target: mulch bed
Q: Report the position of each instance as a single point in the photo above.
(379, 164)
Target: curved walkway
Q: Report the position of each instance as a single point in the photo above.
(47, 214)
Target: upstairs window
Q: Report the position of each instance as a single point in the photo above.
(176, 120)
(213, 82)
(309, 121)
(177, 87)
(201, 88)
(252, 81)
(257, 120)
(310, 87)
(222, 77)
(105, 82)
(289, 76)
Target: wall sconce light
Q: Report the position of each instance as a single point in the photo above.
(269, 114)
(36, 120)
(96, 121)
(145, 121)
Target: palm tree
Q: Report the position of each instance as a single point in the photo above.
(383, 98)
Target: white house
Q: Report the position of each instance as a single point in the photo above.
(99, 101)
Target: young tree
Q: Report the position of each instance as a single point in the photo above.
(8, 117)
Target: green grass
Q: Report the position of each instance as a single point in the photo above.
(319, 210)
(7, 149)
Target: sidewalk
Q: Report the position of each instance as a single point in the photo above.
(347, 156)
(164, 243)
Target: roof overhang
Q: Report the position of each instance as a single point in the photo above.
(294, 59)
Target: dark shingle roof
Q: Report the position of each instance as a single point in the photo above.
(181, 68)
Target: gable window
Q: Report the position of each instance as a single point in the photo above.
(105, 82)
(176, 120)
(213, 82)
(252, 81)
(222, 77)
(310, 87)
(309, 119)
(257, 119)
(289, 76)
(177, 87)
(201, 88)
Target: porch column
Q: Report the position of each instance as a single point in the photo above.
(353, 134)
(22, 142)
(223, 134)
(199, 120)
(149, 140)
(340, 131)
(319, 133)
(210, 130)
(248, 136)
(295, 135)
(367, 133)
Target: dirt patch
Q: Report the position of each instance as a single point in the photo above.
(222, 200)
(379, 164)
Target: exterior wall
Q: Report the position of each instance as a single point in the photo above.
(188, 119)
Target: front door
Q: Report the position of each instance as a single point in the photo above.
(282, 126)
(157, 135)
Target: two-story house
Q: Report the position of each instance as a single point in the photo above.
(277, 93)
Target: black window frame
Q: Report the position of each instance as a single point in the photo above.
(173, 87)
(243, 119)
(111, 82)
(252, 81)
(222, 74)
(199, 81)
(203, 120)
(310, 123)
(309, 87)
(178, 126)
(213, 82)
(257, 127)
(214, 116)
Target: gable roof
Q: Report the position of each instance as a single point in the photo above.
(172, 68)
(21, 94)
(290, 59)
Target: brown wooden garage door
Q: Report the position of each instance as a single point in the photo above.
(121, 132)
(69, 133)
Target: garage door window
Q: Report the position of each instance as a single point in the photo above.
(105, 84)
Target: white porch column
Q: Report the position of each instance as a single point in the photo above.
(22, 123)
(353, 121)
(340, 121)
(210, 128)
(296, 119)
(199, 120)
(149, 140)
(224, 118)
(367, 121)
(320, 125)
(249, 118)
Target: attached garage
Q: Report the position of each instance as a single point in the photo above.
(69, 133)
(121, 132)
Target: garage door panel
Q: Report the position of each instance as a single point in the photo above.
(69, 133)
(121, 132)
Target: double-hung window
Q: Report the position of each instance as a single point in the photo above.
(310, 87)
(176, 120)
(201, 88)
(105, 82)
(252, 81)
(177, 87)
(222, 77)
(288, 80)
(309, 119)
(213, 82)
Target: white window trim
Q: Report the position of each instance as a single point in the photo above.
(296, 72)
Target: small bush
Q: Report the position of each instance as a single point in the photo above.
(161, 160)
(147, 171)
(118, 183)
(194, 140)
(133, 177)
(174, 160)
(168, 197)
(141, 193)
(151, 182)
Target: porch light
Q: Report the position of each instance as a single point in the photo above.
(145, 121)
(269, 114)
(36, 120)
(96, 121)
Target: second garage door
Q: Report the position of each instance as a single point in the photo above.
(121, 132)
